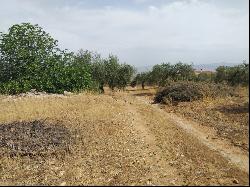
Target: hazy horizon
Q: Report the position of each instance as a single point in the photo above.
(142, 32)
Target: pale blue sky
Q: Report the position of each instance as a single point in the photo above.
(141, 32)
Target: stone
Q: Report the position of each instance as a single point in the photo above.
(235, 181)
(67, 93)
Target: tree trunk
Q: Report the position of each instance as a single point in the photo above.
(101, 87)
(143, 85)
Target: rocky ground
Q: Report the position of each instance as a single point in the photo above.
(116, 139)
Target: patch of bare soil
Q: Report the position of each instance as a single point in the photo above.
(35, 138)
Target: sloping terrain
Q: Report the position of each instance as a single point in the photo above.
(117, 139)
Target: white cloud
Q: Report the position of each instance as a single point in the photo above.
(141, 1)
(181, 30)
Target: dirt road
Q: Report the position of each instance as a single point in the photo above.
(206, 136)
(196, 155)
(123, 140)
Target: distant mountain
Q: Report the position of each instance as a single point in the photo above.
(204, 67)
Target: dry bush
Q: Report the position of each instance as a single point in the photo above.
(213, 90)
(191, 91)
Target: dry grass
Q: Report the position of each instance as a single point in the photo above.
(94, 157)
(229, 116)
(118, 140)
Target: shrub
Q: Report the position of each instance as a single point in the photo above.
(205, 77)
(191, 91)
(214, 90)
(179, 92)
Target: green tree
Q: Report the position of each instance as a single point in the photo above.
(157, 74)
(84, 56)
(30, 59)
(142, 78)
(161, 74)
(125, 74)
(111, 68)
(221, 74)
(117, 75)
(110, 72)
(98, 71)
(182, 71)
(25, 51)
(236, 75)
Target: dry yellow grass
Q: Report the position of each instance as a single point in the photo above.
(118, 140)
(56, 107)
(85, 112)
(229, 116)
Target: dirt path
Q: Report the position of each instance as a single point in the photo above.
(208, 137)
(194, 153)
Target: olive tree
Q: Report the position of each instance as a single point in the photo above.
(161, 73)
(236, 75)
(98, 71)
(182, 71)
(142, 78)
(125, 74)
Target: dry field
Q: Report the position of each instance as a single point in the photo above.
(227, 116)
(114, 139)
